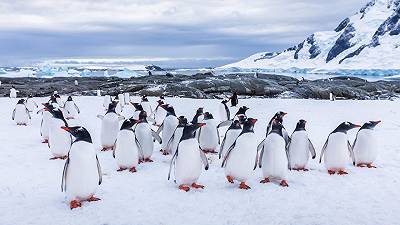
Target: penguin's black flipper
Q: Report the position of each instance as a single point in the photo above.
(228, 113)
(286, 137)
(204, 159)
(76, 107)
(27, 112)
(261, 157)
(139, 147)
(115, 147)
(288, 159)
(171, 139)
(323, 149)
(354, 143)
(160, 128)
(228, 153)
(256, 162)
(353, 159)
(13, 115)
(41, 125)
(156, 136)
(225, 123)
(312, 149)
(64, 176)
(99, 170)
(219, 138)
(222, 146)
(261, 145)
(172, 163)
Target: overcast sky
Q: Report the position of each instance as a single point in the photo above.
(222, 31)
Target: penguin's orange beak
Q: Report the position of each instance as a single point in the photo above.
(65, 128)
(379, 121)
(253, 121)
(356, 125)
(201, 124)
(284, 113)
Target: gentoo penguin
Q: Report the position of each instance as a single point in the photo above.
(241, 113)
(234, 99)
(121, 99)
(188, 159)
(146, 106)
(59, 140)
(82, 172)
(231, 134)
(337, 149)
(279, 118)
(109, 127)
(45, 123)
(366, 146)
(31, 104)
(300, 147)
(13, 92)
(127, 98)
(159, 113)
(168, 127)
(71, 109)
(126, 152)
(144, 138)
(21, 114)
(106, 101)
(208, 134)
(176, 137)
(241, 157)
(274, 158)
(224, 112)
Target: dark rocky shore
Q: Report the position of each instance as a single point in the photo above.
(208, 86)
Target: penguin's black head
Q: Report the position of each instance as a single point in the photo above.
(242, 118)
(208, 116)
(111, 106)
(200, 111)
(160, 102)
(189, 131)
(182, 121)
(143, 115)
(53, 99)
(144, 98)
(248, 125)
(242, 110)
(279, 116)
(48, 107)
(277, 127)
(224, 101)
(345, 126)
(169, 108)
(58, 115)
(69, 98)
(57, 96)
(21, 101)
(301, 125)
(162, 97)
(370, 125)
(80, 133)
(128, 124)
(138, 106)
(30, 96)
(235, 125)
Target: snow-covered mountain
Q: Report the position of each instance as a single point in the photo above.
(366, 41)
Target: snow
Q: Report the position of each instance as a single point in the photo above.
(30, 188)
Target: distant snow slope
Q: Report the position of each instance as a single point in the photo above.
(368, 40)
(30, 182)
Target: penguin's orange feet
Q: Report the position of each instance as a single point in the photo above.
(342, 172)
(244, 186)
(369, 165)
(93, 199)
(284, 183)
(132, 170)
(360, 165)
(197, 186)
(184, 188)
(148, 160)
(75, 204)
(121, 169)
(265, 180)
(331, 172)
(230, 179)
(45, 141)
(64, 157)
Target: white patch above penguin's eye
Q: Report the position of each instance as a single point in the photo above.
(347, 123)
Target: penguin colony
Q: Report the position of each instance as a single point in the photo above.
(131, 139)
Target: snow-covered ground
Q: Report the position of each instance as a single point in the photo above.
(30, 182)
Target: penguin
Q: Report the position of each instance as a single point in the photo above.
(109, 127)
(231, 134)
(159, 113)
(188, 159)
(224, 112)
(58, 99)
(365, 146)
(106, 101)
(31, 105)
(241, 113)
(273, 157)
(71, 109)
(176, 137)
(234, 99)
(82, 172)
(127, 98)
(199, 116)
(59, 140)
(121, 99)
(126, 152)
(337, 149)
(45, 122)
(13, 92)
(146, 105)
(21, 114)
(241, 157)
(209, 134)
(144, 138)
(168, 127)
(300, 147)
(279, 118)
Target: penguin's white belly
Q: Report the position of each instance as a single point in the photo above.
(177, 138)
(127, 99)
(188, 162)
(274, 160)
(129, 111)
(231, 136)
(366, 148)
(82, 176)
(44, 128)
(170, 123)
(145, 138)
(160, 115)
(337, 154)
(21, 115)
(209, 135)
(121, 99)
(222, 113)
(59, 139)
(242, 158)
(30, 105)
(109, 129)
(126, 151)
(70, 110)
(299, 152)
